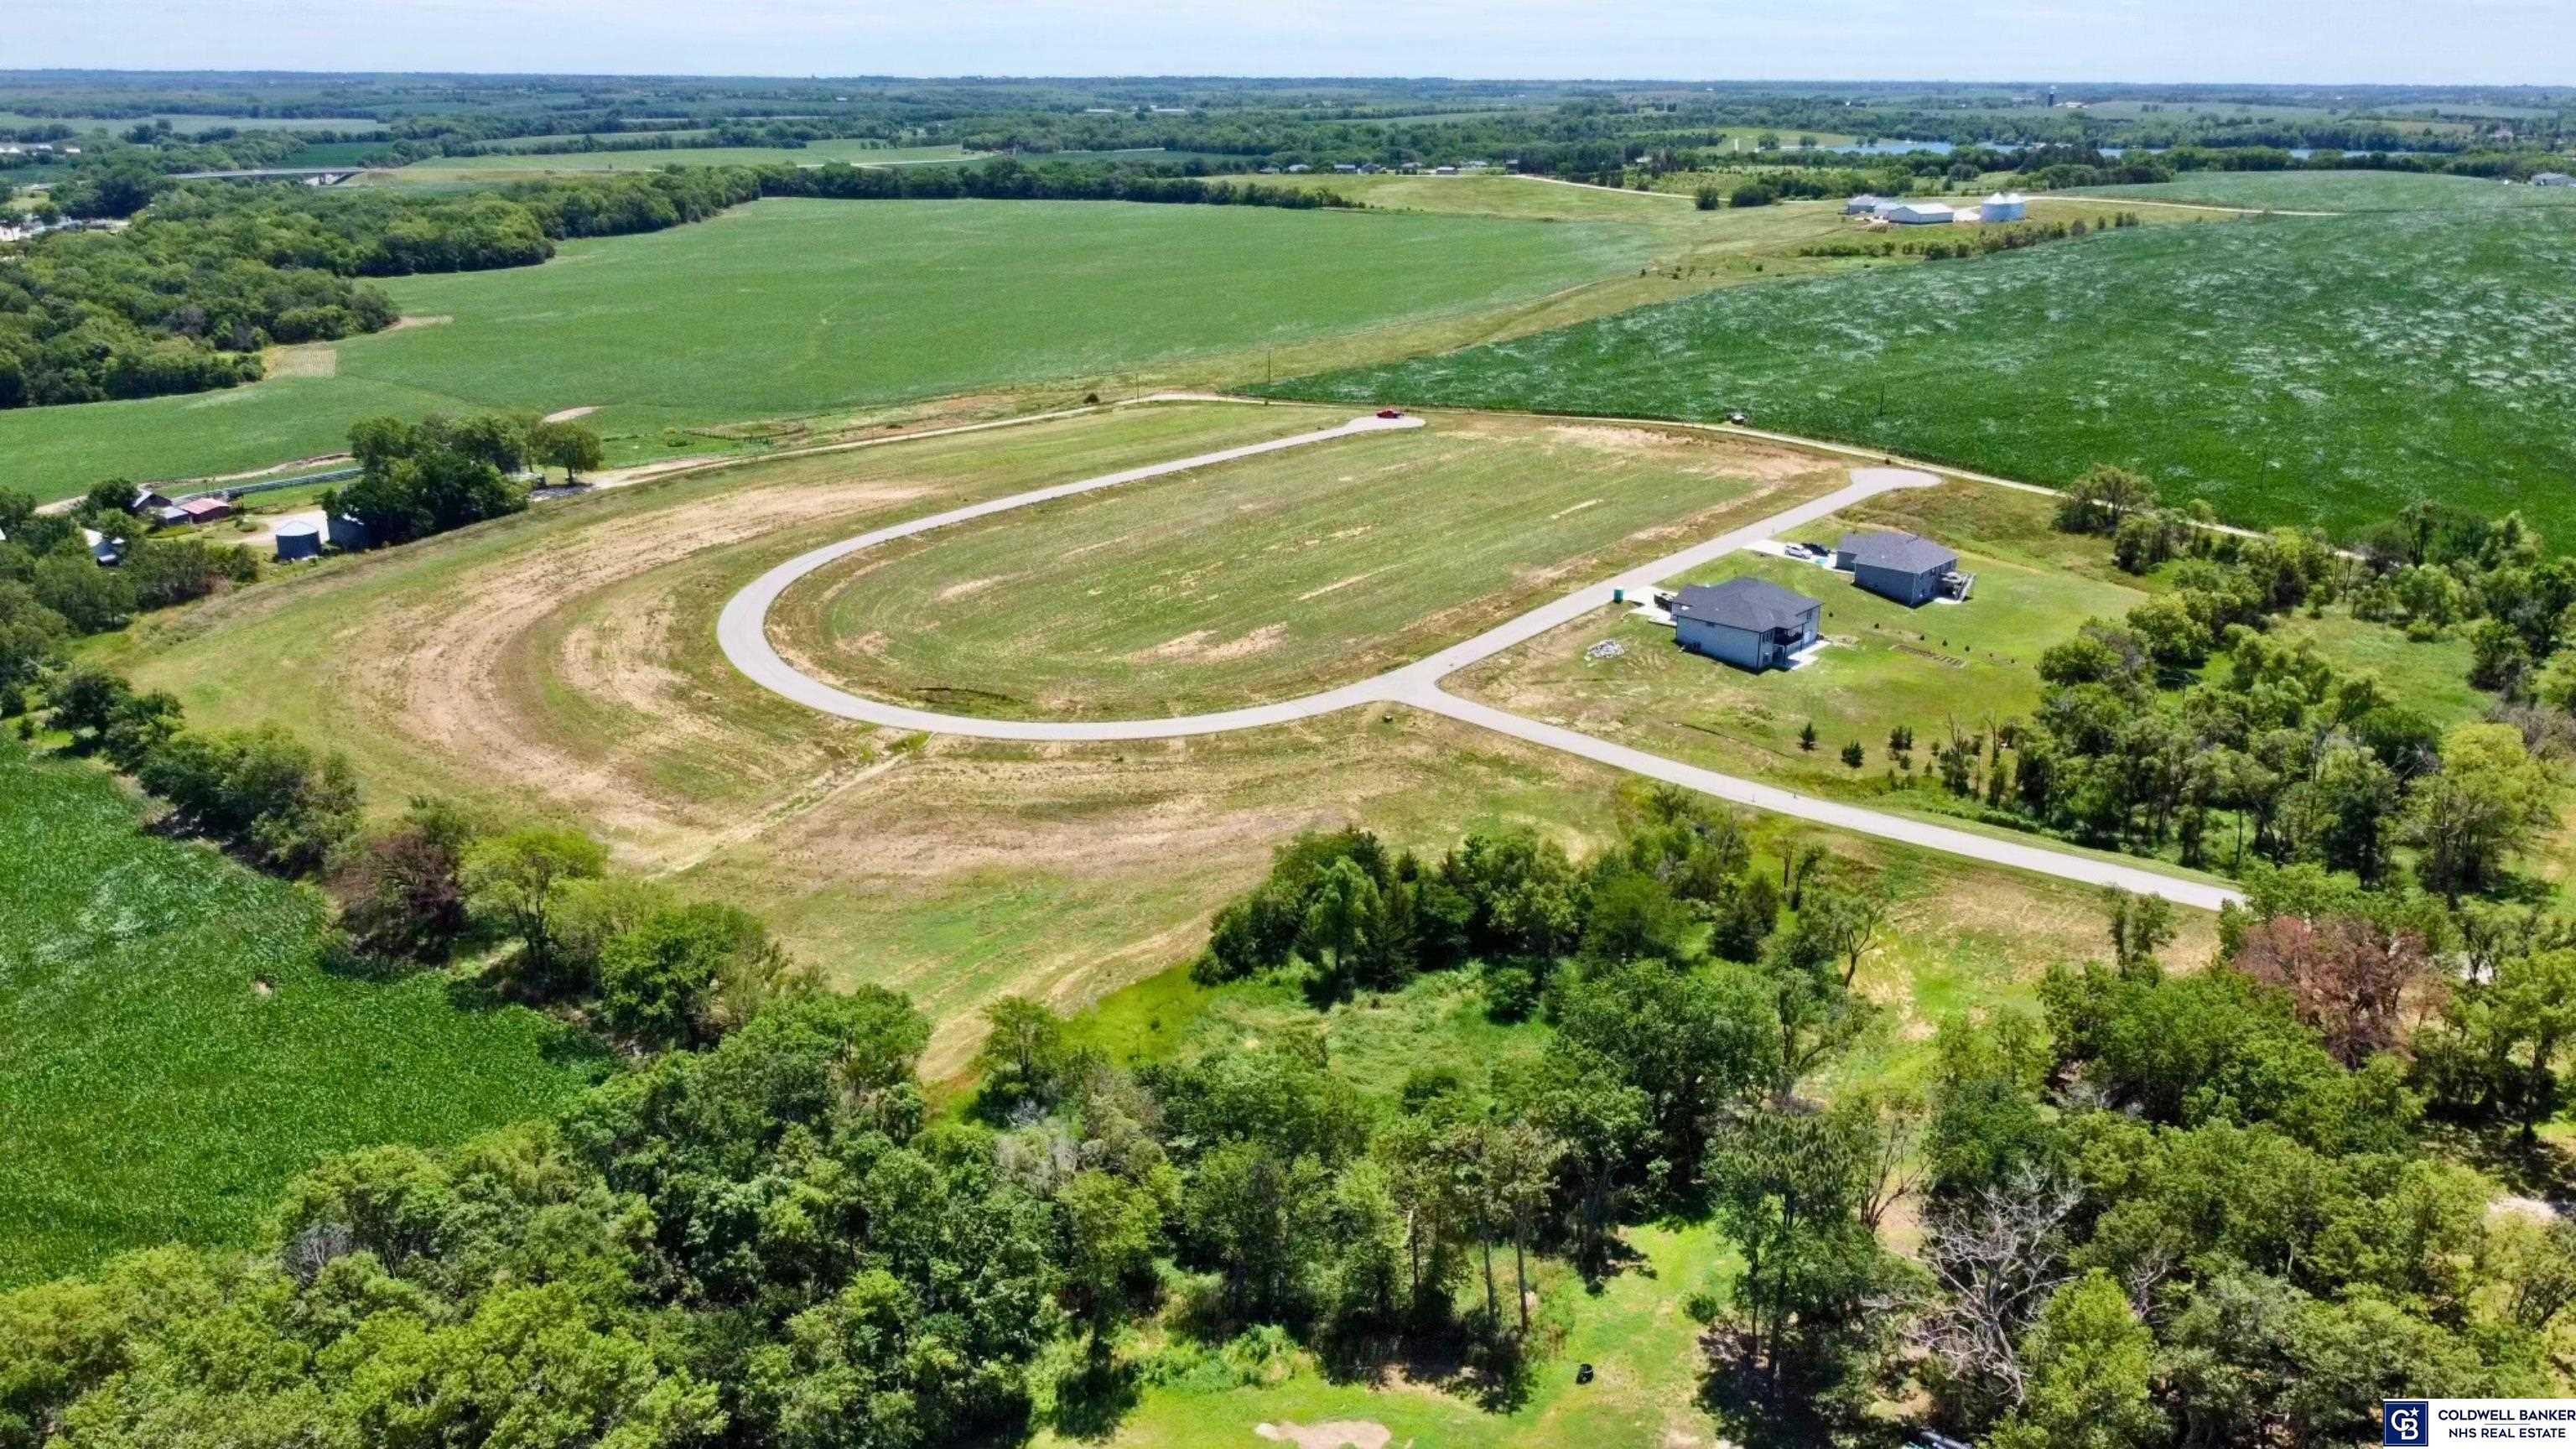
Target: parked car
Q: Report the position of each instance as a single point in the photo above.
(1390, 412)
(1739, 417)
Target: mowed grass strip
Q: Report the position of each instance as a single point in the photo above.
(1273, 577)
(785, 308)
(2288, 370)
(2338, 191)
(177, 1049)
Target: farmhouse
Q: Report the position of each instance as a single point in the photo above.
(2004, 206)
(2553, 178)
(1749, 623)
(1906, 567)
(1920, 213)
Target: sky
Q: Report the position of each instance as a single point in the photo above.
(2445, 42)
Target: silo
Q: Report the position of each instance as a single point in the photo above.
(299, 539)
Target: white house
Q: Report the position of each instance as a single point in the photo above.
(2004, 206)
(1920, 213)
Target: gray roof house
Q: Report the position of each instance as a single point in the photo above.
(1749, 623)
(1906, 567)
(2553, 178)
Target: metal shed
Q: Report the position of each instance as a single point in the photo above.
(348, 533)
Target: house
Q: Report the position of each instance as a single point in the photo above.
(1444, 170)
(106, 552)
(147, 499)
(2553, 178)
(1300, 169)
(1346, 168)
(206, 510)
(1864, 205)
(2005, 206)
(1749, 623)
(1919, 213)
(1906, 567)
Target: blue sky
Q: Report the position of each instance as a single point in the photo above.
(2356, 41)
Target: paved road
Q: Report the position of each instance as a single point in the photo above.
(741, 632)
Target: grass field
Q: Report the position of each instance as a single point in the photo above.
(2287, 370)
(2340, 191)
(562, 664)
(1274, 577)
(802, 307)
(180, 1049)
(514, 165)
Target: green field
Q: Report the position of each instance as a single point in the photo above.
(2288, 370)
(1272, 577)
(179, 1048)
(515, 164)
(796, 307)
(2339, 191)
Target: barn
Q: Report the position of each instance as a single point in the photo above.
(1749, 623)
(1906, 567)
(1864, 205)
(206, 510)
(1920, 213)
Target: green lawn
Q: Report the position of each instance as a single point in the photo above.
(1273, 577)
(797, 307)
(2339, 191)
(179, 1049)
(2288, 370)
(1885, 665)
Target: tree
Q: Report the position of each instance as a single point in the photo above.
(1998, 1258)
(1110, 1228)
(1807, 737)
(689, 974)
(1582, 1099)
(31, 641)
(1785, 1189)
(566, 445)
(1024, 1054)
(2488, 801)
(1846, 921)
(2349, 977)
(1708, 198)
(2140, 926)
(402, 892)
(2100, 497)
(2091, 1365)
(1853, 755)
(1520, 1162)
(520, 879)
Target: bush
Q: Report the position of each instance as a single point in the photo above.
(259, 792)
(689, 974)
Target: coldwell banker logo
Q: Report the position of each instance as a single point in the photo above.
(2405, 1421)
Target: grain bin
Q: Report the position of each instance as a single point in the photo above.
(299, 539)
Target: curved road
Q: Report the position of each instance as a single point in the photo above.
(742, 633)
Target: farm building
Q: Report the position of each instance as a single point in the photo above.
(147, 499)
(1749, 623)
(1864, 205)
(2553, 178)
(103, 550)
(299, 538)
(1906, 567)
(348, 533)
(1920, 213)
(2004, 206)
(206, 510)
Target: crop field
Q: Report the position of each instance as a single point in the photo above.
(2339, 191)
(562, 664)
(181, 1049)
(515, 165)
(786, 308)
(1273, 577)
(1968, 664)
(2288, 370)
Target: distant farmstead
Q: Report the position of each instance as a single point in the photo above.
(2553, 178)
(1906, 567)
(1749, 623)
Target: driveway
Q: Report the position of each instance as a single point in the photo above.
(741, 632)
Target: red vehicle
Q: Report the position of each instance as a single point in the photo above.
(1390, 412)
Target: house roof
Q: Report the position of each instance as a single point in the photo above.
(1908, 553)
(1753, 604)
